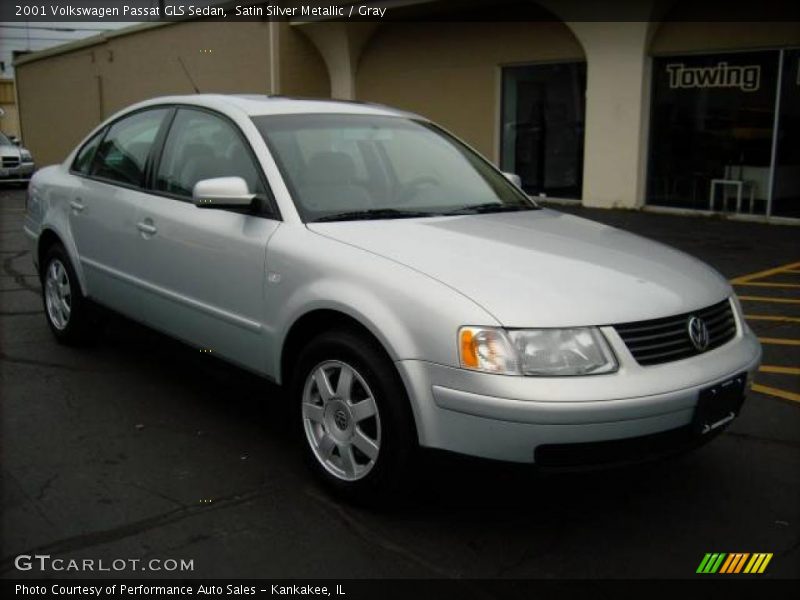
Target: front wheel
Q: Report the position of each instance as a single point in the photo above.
(357, 424)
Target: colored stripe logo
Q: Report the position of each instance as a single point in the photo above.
(734, 563)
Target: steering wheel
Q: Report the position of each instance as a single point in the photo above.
(411, 188)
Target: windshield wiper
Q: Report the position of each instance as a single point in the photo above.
(488, 207)
(374, 213)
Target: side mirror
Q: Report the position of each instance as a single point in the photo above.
(222, 192)
(514, 178)
(14, 140)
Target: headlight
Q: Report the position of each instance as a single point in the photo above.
(487, 349)
(537, 352)
(579, 351)
(25, 155)
(737, 307)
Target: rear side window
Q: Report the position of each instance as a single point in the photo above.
(123, 153)
(83, 162)
(203, 146)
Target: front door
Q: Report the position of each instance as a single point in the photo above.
(204, 269)
(542, 127)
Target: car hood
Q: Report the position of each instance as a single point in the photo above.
(542, 268)
(9, 150)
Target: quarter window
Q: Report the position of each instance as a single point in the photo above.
(203, 146)
(123, 153)
(83, 162)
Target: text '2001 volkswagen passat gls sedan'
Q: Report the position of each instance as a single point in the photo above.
(405, 291)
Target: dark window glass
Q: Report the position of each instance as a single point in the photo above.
(203, 146)
(711, 131)
(543, 127)
(124, 151)
(83, 161)
(786, 190)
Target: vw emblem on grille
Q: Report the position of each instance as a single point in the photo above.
(698, 333)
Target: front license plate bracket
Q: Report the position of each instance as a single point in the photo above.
(719, 404)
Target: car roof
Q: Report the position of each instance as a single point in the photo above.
(257, 105)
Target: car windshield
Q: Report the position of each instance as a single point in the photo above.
(4, 141)
(351, 167)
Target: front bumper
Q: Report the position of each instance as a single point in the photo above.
(509, 417)
(21, 173)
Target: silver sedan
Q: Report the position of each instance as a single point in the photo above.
(406, 292)
(16, 162)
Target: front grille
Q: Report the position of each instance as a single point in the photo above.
(10, 161)
(665, 340)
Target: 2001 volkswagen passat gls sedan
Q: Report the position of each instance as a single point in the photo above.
(405, 291)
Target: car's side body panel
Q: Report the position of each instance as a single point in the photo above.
(48, 202)
(203, 272)
(406, 310)
(102, 220)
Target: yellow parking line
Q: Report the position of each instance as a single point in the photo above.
(769, 284)
(769, 299)
(779, 318)
(779, 370)
(771, 391)
(749, 280)
(779, 341)
(765, 273)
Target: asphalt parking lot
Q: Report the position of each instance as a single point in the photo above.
(139, 447)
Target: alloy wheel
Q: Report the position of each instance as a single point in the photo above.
(341, 420)
(58, 294)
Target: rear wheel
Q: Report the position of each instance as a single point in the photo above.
(65, 307)
(357, 425)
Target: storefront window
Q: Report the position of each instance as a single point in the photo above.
(711, 131)
(786, 186)
(543, 127)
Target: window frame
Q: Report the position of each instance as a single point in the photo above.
(106, 128)
(269, 208)
(101, 135)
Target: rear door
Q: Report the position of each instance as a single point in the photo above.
(110, 174)
(204, 268)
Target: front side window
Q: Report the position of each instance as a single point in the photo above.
(204, 146)
(83, 161)
(342, 167)
(123, 153)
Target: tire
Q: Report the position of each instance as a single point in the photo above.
(66, 309)
(363, 451)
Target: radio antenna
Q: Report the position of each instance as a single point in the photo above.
(189, 77)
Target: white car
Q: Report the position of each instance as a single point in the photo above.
(405, 291)
(16, 162)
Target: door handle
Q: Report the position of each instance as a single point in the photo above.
(146, 228)
(77, 205)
